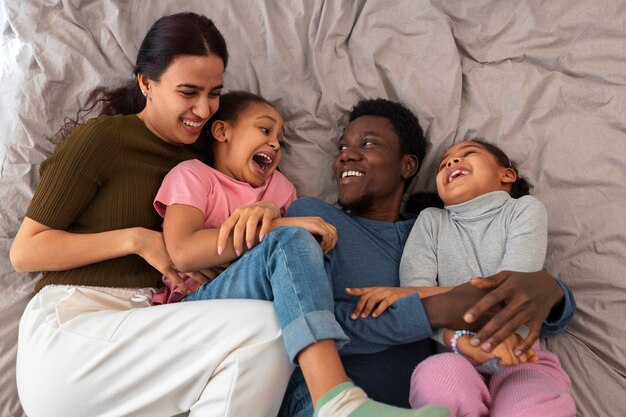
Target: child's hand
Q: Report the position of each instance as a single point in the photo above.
(245, 222)
(504, 351)
(317, 226)
(377, 299)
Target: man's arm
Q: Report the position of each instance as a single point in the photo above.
(527, 298)
(404, 322)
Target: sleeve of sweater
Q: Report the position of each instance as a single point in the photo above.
(559, 320)
(404, 322)
(71, 176)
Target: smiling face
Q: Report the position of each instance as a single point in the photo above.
(248, 148)
(370, 169)
(181, 102)
(468, 170)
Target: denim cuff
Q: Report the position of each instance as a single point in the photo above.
(311, 328)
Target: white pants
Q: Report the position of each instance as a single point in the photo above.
(89, 352)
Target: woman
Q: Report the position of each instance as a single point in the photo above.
(89, 344)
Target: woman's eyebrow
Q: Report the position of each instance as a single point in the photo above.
(197, 87)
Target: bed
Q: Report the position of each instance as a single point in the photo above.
(544, 80)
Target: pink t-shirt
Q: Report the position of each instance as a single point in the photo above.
(196, 184)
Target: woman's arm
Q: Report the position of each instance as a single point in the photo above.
(40, 248)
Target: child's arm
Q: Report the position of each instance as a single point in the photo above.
(379, 299)
(190, 245)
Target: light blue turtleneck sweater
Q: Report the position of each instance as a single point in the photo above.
(477, 238)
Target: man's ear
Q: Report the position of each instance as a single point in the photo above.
(508, 176)
(219, 130)
(409, 166)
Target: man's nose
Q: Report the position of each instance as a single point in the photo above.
(349, 153)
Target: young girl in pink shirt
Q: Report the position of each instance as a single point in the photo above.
(243, 186)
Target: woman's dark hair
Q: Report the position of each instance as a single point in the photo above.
(169, 37)
(404, 123)
(232, 105)
(521, 186)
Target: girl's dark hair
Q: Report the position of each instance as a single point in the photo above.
(521, 186)
(169, 37)
(232, 105)
(404, 122)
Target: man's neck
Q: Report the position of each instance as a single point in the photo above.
(380, 214)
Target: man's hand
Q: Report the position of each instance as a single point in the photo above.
(377, 299)
(528, 298)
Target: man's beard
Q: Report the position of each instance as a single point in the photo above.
(358, 205)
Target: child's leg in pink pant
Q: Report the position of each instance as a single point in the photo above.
(532, 389)
(451, 380)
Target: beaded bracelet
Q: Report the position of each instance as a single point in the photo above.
(456, 337)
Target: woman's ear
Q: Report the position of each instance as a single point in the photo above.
(409, 166)
(219, 130)
(508, 176)
(144, 84)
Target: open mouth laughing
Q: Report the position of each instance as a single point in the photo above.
(351, 173)
(264, 161)
(456, 173)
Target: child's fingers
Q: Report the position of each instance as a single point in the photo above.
(238, 236)
(225, 230)
(356, 312)
(364, 305)
(532, 356)
(382, 306)
(266, 224)
(252, 225)
(329, 237)
(359, 291)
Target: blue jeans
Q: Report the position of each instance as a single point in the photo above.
(287, 268)
(297, 401)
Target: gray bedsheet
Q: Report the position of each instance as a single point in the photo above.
(545, 80)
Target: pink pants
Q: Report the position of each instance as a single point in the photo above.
(540, 389)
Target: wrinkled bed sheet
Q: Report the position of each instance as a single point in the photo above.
(545, 80)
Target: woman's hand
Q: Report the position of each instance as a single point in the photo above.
(317, 226)
(151, 247)
(528, 299)
(244, 222)
(377, 299)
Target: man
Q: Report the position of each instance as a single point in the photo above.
(379, 153)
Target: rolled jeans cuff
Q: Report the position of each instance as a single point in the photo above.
(312, 328)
